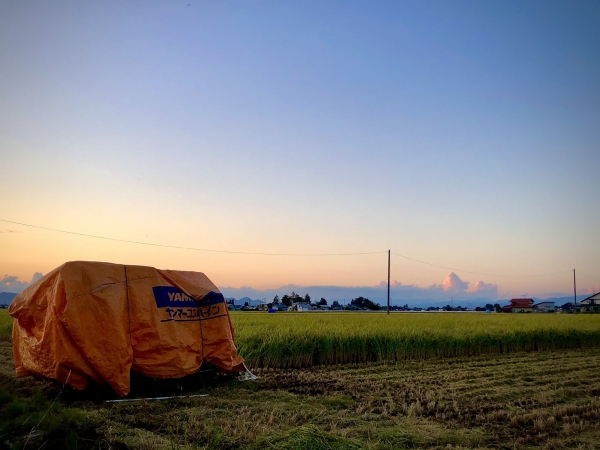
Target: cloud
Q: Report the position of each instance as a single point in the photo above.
(452, 283)
(480, 286)
(591, 290)
(400, 293)
(12, 283)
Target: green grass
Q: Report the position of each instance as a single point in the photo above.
(311, 339)
(35, 417)
(307, 437)
(5, 325)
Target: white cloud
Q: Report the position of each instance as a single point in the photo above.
(591, 290)
(12, 283)
(480, 286)
(452, 283)
(400, 293)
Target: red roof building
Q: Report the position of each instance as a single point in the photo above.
(521, 305)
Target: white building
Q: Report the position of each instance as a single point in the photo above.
(592, 303)
(299, 307)
(544, 307)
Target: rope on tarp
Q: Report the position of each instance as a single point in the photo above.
(246, 375)
(128, 310)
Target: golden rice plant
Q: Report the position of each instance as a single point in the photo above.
(309, 339)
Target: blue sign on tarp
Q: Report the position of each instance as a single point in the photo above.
(170, 296)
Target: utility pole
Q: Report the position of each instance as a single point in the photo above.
(452, 300)
(388, 305)
(575, 291)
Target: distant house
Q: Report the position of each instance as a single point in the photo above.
(544, 307)
(300, 307)
(521, 305)
(568, 307)
(591, 304)
(263, 307)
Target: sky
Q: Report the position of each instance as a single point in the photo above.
(462, 134)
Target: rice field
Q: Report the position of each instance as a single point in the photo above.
(295, 340)
(479, 398)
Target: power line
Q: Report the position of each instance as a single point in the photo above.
(273, 254)
(187, 248)
(476, 273)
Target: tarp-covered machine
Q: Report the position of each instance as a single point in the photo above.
(95, 321)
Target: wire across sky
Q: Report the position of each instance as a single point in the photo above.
(274, 254)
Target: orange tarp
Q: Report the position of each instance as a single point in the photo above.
(98, 321)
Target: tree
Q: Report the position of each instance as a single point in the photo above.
(323, 302)
(497, 307)
(287, 300)
(362, 302)
(296, 298)
(489, 307)
(336, 304)
(276, 299)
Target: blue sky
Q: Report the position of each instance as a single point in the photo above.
(460, 133)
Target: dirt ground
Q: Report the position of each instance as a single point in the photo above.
(526, 400)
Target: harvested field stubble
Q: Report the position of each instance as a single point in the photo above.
(295, 340)
(522, 400)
